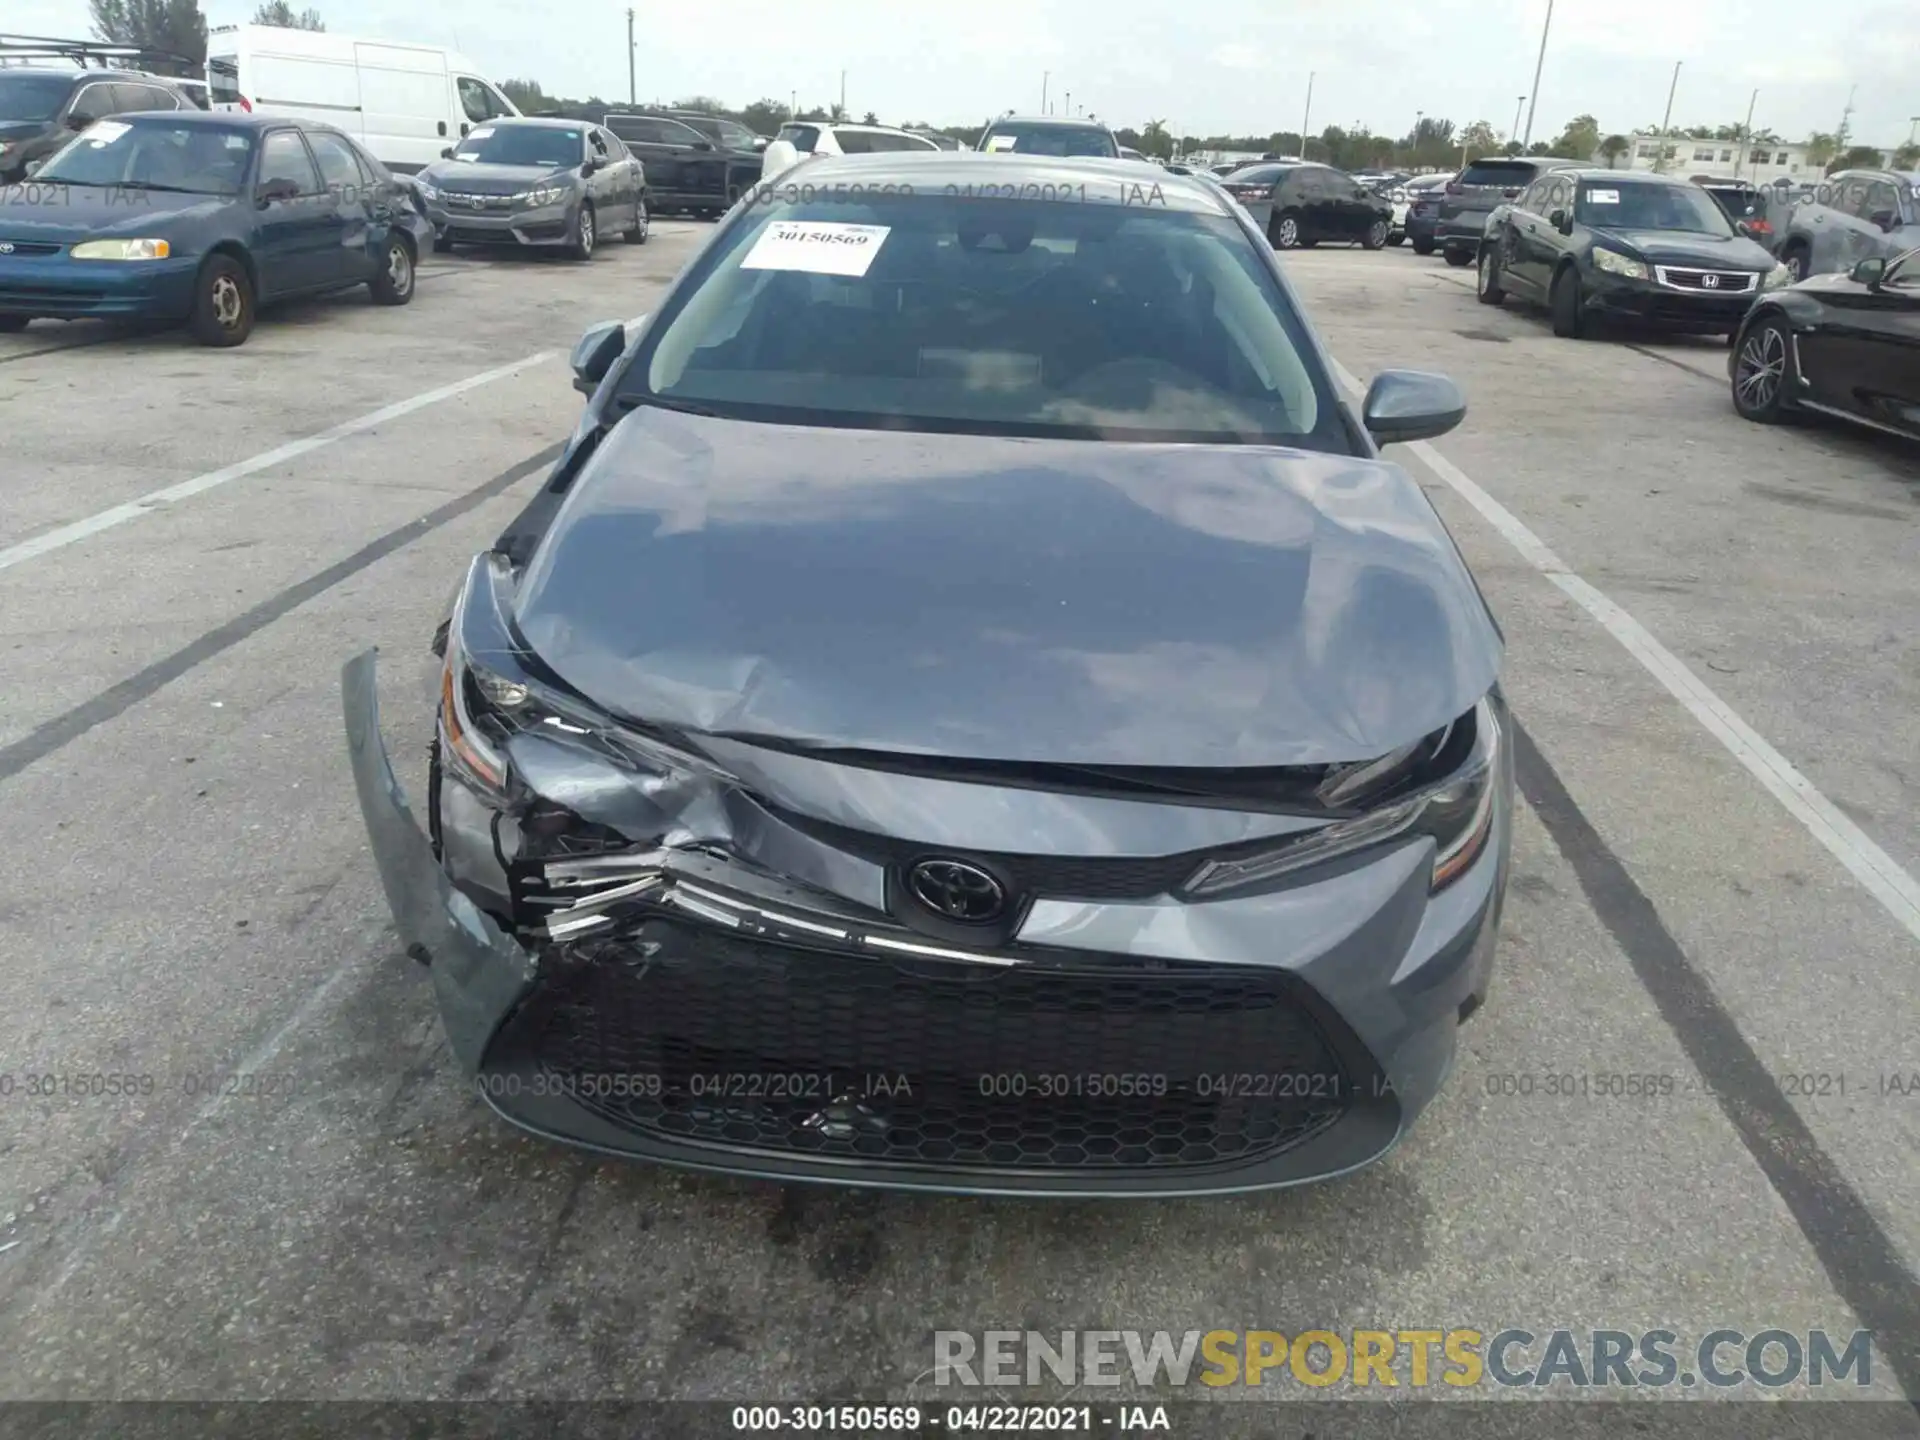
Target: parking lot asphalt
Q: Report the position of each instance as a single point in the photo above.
(309, 1204)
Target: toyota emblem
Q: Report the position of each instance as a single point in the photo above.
(6, 247)
(1712, 282)
(957, 891)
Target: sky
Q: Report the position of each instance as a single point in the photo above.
(1243, 69)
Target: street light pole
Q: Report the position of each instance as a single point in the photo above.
(1538, 64)
(1666, 121)
(843, 93)
(1307, 117)
(1746, 136)
(632, 92)
(1514, 134)
(1045, 76)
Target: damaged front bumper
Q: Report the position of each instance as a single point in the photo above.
(684, 1007)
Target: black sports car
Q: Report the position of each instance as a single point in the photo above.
(963, 714)
(1841, 345)
(1587, 243)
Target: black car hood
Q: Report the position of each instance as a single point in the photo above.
(1674, 247)
(476, 179)
(88, 213)
(1007, 599)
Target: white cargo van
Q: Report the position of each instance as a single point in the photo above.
(405, 103)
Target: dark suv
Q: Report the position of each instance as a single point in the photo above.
(1476, 192)
(41, 109)
(694, 162)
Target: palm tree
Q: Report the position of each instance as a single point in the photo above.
(1613, 147)
(1821, 147)
(1154, 140)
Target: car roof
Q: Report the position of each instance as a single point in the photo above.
(76, 72)
(218, 120)
(1643, 177)
(931, 171)
(542, 122)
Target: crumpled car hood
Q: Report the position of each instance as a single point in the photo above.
(1032, 601)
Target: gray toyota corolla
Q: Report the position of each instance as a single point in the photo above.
(971, 710)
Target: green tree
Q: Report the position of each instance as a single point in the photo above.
(1156, 141)
(1479, 139)
(280, 13)
(1856, 157)
(870, 118)
(1613, 147)
(764, 117)
(1579, 140)
(1821, 147)
(174, 30)
(527, 94)
(1907, 157)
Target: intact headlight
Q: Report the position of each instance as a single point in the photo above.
(542, 195)
(122, 250)
(1457, 811)
(1614, 263)
(1778, 276)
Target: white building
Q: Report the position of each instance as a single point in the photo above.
(1761, 163)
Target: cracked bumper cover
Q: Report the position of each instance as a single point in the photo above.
(1395, 977)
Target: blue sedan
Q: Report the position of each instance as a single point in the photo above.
(173, 218)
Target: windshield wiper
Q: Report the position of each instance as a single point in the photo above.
(661, 402)
(170, 189)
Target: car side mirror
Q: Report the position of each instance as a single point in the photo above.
(1887, 220)
(33, 166)
(1405, 405)
(1870, 273)
(594, 355)
(446, 152)
(587, 167)
(1561, 221)
(703, 144)
(275, 190)
(760, 142)
(80, 120)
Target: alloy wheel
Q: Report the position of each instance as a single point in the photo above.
(228, 306)
(399, 268)
(1377, 236)
(1762, 368)
(1289, 233)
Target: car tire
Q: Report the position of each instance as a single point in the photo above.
(1761, 372)
(442, 245)
(1797, 259)
(1422, 245)
(1566, 302)
(641, 225)
(1458, 258)
(1284, 232)
(1488, 287)
(583, 235)
(13, 324)
(394, 284)
(223, 303)
(1376, 236)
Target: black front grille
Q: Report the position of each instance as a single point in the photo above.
(473, 235)
(1063, 877)
(1725, 282)
(50, 301)
(30, 247)
(689, 1034)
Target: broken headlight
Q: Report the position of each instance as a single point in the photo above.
(1442, 786)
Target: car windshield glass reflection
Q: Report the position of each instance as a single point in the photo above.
(32, 97)
(1062, 140)
(198, 159)
(1628, 206)
(539, 145)
(1081, 320)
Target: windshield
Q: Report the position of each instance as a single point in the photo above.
(1080, 320)
(1507, 175)
(549, 146)
(32, 97)
(203, 159)
(1631, 205)
(1050, 140)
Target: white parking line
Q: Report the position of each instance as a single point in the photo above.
(119, 515)
(1879, 872)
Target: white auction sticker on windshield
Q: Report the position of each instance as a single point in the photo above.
(105, 132)
(820, 247)
(1002, 142)
(481, 133)
(1604, 197)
